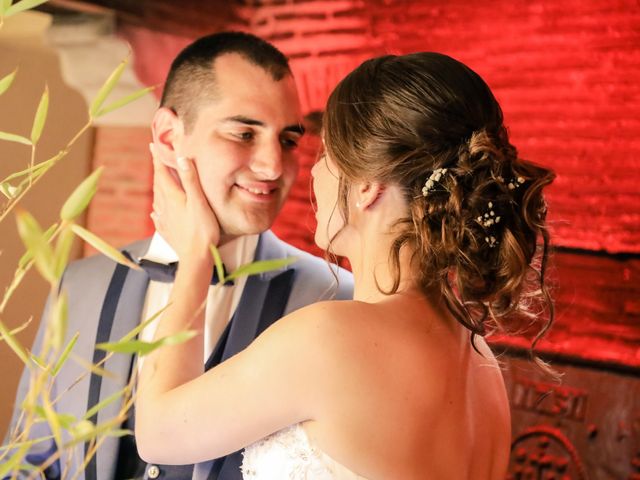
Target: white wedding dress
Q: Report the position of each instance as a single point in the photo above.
(289, 455)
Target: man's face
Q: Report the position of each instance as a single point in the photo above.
(243, 144)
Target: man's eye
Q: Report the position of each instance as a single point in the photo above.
(246, 136)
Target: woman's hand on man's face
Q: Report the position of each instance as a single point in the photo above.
(181, 212)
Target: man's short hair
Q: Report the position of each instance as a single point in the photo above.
(191, 78)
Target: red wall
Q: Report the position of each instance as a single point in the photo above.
(567, 75)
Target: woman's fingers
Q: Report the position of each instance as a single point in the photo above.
(189, 179)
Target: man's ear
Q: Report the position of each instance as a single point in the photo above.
(367, 194)
(168, 131)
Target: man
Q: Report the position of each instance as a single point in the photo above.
(230, 103)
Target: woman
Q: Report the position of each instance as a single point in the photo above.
(442, 223)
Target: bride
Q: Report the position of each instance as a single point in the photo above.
(444, 227)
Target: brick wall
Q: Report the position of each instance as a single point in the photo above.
(566, 74)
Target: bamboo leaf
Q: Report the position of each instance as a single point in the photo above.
(35, 240)
(82, 431)
(12, 137)
(107, 401)
(7, 80)
(133, 333)
(58, 325)
(28, 255)
(39, 362)
(65, 354)
(4, 4)
(66, 420)
(124, 101)
(144, 348)
(62, 251)
(23, 5)
(14, 344)
(120, 432)
(14, 461)
(102, 246)
(52, 419)
(90, 367)
(27, 443)
(40, 117)
(81, 196)
(33, 170)
(106, 89)
(9, 190)
(218, 263)
(260, 266)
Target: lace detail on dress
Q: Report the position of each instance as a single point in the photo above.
(286, 454)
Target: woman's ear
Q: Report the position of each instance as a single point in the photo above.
(168, 131)
(367, 194)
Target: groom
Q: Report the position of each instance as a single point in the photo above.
(231, 104)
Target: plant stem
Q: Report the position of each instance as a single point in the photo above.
(14, 201)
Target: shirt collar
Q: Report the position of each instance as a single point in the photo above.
(237, 252)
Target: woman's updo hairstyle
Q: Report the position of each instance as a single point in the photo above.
(476, 222)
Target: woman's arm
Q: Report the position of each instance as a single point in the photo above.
(182, 415)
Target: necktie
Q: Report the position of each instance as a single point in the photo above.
(164, 273)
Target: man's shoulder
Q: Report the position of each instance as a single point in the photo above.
(315, 278)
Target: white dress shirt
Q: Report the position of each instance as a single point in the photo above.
(221, 302)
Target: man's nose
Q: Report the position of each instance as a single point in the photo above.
(267, 161)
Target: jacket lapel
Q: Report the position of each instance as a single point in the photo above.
(263, 301)
(120, 313)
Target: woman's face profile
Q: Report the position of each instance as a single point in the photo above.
(325, 187)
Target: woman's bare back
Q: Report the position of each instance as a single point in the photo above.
(408, 396)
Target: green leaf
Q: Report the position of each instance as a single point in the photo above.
(40, 117)
(92, 367)
(82, 431)
(81, 196)
(124, 101)
(34, 238)
(6, 81)
(107, 401)
(218, 262)
(4, 4)
(14, 461)
(27, 443)
(14, 344)
(260, 266)
(52, 418)
(28, 255)
(102, 246)
(58, 325)
(144, 348)
(65, 354)
(120, 432)
(9, 190)
(34, 170)
(132, 333)
(11, 137)
(23, 5)
(106, 89)
(62, 251)
(40, 362)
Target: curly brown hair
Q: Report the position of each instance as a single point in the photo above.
(477, 229)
